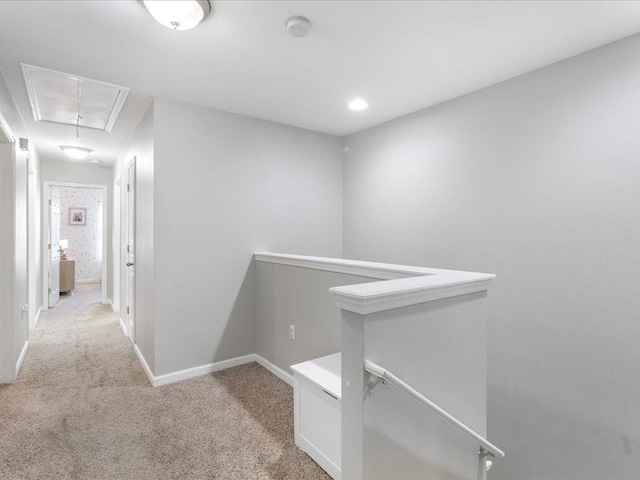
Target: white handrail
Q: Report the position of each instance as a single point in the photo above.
(387, 376)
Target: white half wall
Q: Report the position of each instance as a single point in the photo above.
(535, 179)
(290, 295)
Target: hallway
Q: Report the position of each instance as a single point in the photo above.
(82, 408)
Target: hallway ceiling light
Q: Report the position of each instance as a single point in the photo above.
(358, 104)
(77, 153)
(178, 15)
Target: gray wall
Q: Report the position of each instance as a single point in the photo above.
(297, 296)
(139, 145)
(226, 186)
(35, 233)
(72, 172)
(439, 348)
(535, 179)
(14, 258)
(21, 279)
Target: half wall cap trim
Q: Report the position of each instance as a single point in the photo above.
(401, 285)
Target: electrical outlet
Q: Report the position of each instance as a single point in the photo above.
(292, 332)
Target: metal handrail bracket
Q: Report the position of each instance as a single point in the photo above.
(486, 447)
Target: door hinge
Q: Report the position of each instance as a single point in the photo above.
(127, 248)
(128, 187)
(49, 246)
(127, 310)
(49, 290)
(49, 201)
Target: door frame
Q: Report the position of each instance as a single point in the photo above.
(46, 196)
(115, 245)
(8, 340)
(130, 289)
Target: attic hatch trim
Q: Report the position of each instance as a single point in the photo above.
(32, 93)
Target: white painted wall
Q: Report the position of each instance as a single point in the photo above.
(85, 241)
(534, 179)
(226, 186)
(73, 172)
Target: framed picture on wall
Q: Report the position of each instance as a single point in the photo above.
(77, 216)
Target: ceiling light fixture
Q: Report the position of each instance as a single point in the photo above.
(77, 153)
(358, 104)
(178, 15)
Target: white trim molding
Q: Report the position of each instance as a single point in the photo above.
(201, 370)
(46, 195)
(401, 285)
(143, 362)
(6, 130)
(113, 307)
(123, 326)
(277, 371)
(366, 298)
(173, 377)
(382, 271)
(35, 322)
(23, 354)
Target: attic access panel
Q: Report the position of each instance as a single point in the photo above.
(60, 97)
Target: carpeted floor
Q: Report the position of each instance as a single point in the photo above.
(82, 408)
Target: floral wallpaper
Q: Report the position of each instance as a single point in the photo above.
(85, 241)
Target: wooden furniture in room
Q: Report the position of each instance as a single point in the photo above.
(67, 275)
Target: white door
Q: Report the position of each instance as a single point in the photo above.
(131, 243)
(54, 246)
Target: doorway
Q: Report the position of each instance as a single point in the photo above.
(74, 238)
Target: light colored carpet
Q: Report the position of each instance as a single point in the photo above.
(82, 408)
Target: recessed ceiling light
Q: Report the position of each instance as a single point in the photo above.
(77, 153)
(95, 161)
(180, 14)
(358, 104)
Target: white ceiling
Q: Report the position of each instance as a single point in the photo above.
(399, 56)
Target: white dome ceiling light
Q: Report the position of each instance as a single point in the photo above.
(358, 105)
(298, 26)
(77, 153)
(180, 14)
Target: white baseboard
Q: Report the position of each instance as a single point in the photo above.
(277, 371)
(89, 280)
(123, 326)
(201, 370)
(145, 365)
(23, 353)
(35, 323)
(166, 379)
(113, 307)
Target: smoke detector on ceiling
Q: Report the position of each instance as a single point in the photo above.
(298, 26)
